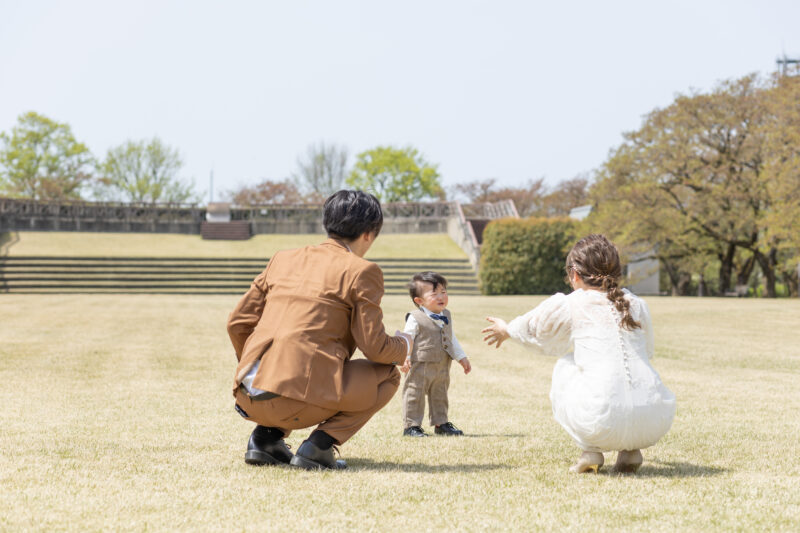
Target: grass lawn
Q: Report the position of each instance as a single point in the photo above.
(117, 415)
(42, 243)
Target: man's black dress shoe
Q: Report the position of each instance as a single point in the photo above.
(447, 429)
(263, 452)
(414, 431)
(311, 457)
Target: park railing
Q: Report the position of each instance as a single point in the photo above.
(491, 210)
(463, 222)
(34, 215)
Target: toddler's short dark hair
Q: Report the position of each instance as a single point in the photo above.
(426, 277)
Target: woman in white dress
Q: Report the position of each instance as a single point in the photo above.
(605, 393)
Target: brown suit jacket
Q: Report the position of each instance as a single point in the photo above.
(304, 316)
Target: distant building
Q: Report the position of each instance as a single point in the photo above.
(642, 271)
(579, 213)
(218, 212)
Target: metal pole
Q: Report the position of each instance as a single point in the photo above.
(784, 62)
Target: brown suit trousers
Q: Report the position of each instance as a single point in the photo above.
(371, 386)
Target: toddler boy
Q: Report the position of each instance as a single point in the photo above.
(428, 365)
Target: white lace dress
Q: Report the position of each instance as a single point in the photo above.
(605, 393)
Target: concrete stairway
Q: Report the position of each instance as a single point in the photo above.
(189, 275)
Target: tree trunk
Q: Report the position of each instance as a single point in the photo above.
(791, 277)
(673, 275)
(743, 274)
(767, 264)
(702, 288)
(793, 284)
(726, 268)
(684, 281)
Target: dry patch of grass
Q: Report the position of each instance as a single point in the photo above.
(117, 414)
(41, 243)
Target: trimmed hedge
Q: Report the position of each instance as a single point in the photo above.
(525, 256)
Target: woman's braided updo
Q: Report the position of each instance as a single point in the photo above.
(596, 261)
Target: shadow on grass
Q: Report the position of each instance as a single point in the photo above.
(672, 469)
(368, 464)
(484, 435)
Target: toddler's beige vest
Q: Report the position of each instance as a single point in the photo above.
(432, 343)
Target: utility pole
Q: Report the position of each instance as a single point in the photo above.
(784, 62)
(211, 186)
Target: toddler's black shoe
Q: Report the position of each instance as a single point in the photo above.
(414, 431)
(447, 429)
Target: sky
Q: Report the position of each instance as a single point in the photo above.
(510, 90)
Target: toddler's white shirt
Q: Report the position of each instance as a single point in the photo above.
(412, 328)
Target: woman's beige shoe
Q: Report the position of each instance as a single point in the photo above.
(588, 462)
(628, 461)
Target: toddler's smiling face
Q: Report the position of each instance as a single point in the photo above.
(432, 299)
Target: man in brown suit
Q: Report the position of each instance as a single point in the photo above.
(295, 331)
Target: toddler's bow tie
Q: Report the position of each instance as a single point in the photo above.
(440, 317)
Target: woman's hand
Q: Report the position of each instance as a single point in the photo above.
(497, 332)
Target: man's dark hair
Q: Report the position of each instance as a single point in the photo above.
(427, 277)
(350, 214)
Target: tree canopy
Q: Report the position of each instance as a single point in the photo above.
(144, 171)
(267, 192)
(41, 159)
(709, 179)
(322, 170)
(396, 175)
(533, 198)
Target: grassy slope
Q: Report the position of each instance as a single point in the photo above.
(169, 245)
(117, 415)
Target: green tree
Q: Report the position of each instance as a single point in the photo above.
(636, 215)
(41, 159)
(396, 175)
(566, 195)
(144, 172)
(693, 178)
(781, 177)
